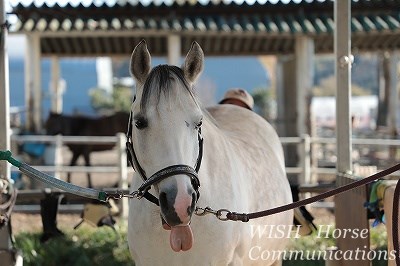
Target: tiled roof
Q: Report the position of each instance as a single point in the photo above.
(104, 28)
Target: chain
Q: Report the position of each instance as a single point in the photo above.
(120, 194)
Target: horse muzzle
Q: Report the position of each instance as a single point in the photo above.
(177, 201)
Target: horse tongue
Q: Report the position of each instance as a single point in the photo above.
(181, 238)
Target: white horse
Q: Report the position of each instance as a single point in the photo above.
(242, 170)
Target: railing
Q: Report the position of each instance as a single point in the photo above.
(306, 167)
(58, 141)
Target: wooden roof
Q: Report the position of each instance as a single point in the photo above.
(104, 29)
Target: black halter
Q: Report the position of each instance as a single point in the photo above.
(165, 172)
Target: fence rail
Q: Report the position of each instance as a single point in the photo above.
(58, 141)
(305, 169)
(306, 166)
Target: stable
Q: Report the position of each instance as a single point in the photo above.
(293, 31)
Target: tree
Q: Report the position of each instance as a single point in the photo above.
(327, 87)
(264, 103)
(119, 100)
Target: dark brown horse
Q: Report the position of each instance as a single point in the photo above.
(86, 126)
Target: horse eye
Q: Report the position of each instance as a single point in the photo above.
(140, 123)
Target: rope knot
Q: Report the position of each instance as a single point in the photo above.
(5, 155)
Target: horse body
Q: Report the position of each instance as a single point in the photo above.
(242, 170)
(86, 126)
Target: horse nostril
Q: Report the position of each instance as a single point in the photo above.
(163, 201)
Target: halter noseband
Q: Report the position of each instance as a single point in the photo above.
(165, 172)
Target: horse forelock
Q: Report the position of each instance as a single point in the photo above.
(160, 81)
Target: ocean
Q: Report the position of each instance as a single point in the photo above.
(220, 74)
(80, 75)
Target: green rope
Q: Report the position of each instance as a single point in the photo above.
(7, 156)
(42, 177)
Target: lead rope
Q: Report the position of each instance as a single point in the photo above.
(221, 214)
(45, 178)
(225, 215)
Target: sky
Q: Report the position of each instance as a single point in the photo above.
(16, 45)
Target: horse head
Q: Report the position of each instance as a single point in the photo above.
(55, 124)
(166, 120)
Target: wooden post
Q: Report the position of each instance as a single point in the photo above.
(304, 50)
(394, 93)
(56, 87)
(393, 103)
(58, 156)
(6, 256)
(349, 210)
(174, 50)
(33, 87)
(123, 173)
(286, 99)
(306, 160)
(280, 95)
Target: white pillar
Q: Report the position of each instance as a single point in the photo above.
(104, 74)
(304, 52)
(349, 214)
(174, 50)
(123, 172)
(4, 97)
(57, 86)
(285, 72)
(5, 236)
(394, 94)
(33, 87)
(343, 60)
(280, 99)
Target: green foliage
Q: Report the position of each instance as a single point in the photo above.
(378, 237)
(327, 87)
(263, 102)
(378, 240)
(119, 100)
(104, 246)
(363, 72)
(100, 246)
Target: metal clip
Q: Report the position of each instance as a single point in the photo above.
(221, 214)
(204, 211)
(135, 195)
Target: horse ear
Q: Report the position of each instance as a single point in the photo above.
(140, 62)
(194, 61)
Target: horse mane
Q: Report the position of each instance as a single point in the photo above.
(210, 118)
(159, 81)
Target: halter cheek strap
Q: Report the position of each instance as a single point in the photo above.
(165, 172)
